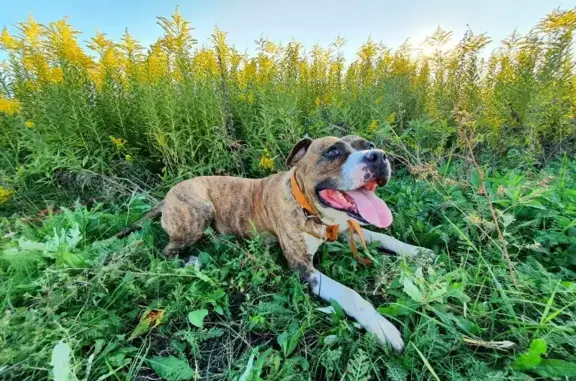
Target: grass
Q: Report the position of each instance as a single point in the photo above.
(125, 311)
(484, 175)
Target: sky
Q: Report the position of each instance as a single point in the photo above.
(308, 21)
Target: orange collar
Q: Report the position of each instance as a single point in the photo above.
(301, 197)
(331, 230)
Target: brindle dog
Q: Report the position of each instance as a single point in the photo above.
(330, 184)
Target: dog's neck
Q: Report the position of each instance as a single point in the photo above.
(332, 229)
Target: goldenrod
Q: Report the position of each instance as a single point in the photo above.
(9, 106)
(8, 42)
(5, 194)
(373, 126)
(266, 161)
(118, 142)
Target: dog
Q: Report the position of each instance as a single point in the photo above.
(328, 189)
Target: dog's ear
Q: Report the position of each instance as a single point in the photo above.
(298, 152)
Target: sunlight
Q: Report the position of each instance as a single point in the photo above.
(430, 39)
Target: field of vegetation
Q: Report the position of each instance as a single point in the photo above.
(484, 174)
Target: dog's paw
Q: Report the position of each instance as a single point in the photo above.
(192, 261)
(425, 255)
(385, 331)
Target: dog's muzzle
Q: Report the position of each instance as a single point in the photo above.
(378, 165)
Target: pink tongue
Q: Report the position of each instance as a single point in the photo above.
(371, 208)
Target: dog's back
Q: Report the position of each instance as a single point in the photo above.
(233, 205)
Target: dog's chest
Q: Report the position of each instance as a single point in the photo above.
(312, 243)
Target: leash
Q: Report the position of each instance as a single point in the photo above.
(331, 233)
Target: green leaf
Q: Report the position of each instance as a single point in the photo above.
(338, 310)
(246, 374)
(197, 317)
(171, 368)
(530, 360)
(30, 245)
(74, 236)
(556, 368)
(507, 219)
(358, 368)
(535, 204)
(400, 308)
(288, 340)
(71, 259)
(142, 327)
(61, 362)
(538, 346)
(330, 339)
(456, 290)
(412, 291)
(149, 320)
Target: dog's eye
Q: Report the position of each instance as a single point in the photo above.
(370, 145)
(332, 153)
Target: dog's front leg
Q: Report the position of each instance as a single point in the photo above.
(393, 245)
(351, 302)
(357, 307)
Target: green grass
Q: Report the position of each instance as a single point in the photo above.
(63, 278)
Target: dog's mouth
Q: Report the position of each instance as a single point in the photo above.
(361, 204)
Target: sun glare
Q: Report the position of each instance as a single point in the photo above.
(431, 39)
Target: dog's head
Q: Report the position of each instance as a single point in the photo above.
(341, 175)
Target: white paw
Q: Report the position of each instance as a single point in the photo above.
(425, 256)
(385, 331)
(418, 252)
(422, 251)
(194, 262)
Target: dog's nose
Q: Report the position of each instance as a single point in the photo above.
(375, 156)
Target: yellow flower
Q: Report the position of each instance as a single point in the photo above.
(55, 75)
(157, 64)
(317, 101)
(391, 118)
(33, 31)
(367, 51)
(128, 157)
(558, 20)
(7, 41)
(206, 61)
(474, 219)
(247, 74)
(112, 59)
(29, 124)
(373, 126)
(100, 43)
(266, 161)
(9, 106)
(63, 44)
(177, 33)
(270, 48)
(5, 194)
(118, 142)
(130, 45)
